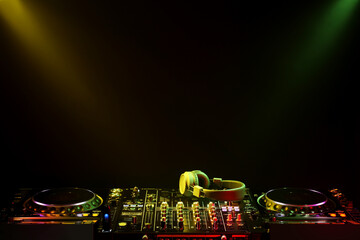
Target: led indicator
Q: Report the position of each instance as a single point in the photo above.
(106, 216)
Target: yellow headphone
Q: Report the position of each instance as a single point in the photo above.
(197, 183)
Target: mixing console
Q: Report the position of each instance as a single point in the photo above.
(167, 213)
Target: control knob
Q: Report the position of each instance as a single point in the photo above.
(198, 223)
(181, 223)
(163, 223)
(215, 223)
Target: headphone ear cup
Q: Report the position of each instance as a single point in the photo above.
(187, 179)
(202, 179)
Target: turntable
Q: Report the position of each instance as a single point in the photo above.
(60, 206)
(296, 200)
(63, 202)
(300, 205)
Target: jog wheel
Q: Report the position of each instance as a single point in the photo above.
(64, 201)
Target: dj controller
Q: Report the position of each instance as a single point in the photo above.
(227, 211)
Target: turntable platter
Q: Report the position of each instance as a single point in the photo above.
(295, 200)
(63, 197)
(298, 197)
(64, 201)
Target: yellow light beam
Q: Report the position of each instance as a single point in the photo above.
(64, 77)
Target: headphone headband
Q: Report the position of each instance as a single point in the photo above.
(232, 190)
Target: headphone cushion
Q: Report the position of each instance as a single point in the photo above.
(187, 179)
(201, 179)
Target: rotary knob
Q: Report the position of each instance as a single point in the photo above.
(238, 218)
(163, 223)
(180, 205)
(215, 223)
(198, 223)
(181, 223)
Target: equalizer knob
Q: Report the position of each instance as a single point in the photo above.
(198, 223)
(180, 205)
(163, 223)
(180, 213)
(215, 223)
(181, 223)
(238, 218)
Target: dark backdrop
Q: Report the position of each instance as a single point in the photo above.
(112, 93)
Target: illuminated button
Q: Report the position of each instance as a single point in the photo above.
(238, 218)
(43, 209)
(52, 210)
(70, 209)
(95, 214)
(229, 218)
(85, 214)
(78, 208)
(236, 208)
(122, 224)
(332, 214)
(342, 215)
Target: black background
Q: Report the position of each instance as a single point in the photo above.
(181, 86)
